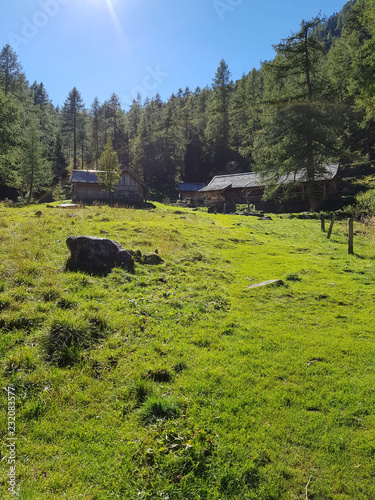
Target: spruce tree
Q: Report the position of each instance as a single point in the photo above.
(244, 118)
(58, 161)
(217, 130)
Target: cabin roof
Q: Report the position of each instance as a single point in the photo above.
(90, 177)
(190, 186)
(254, 180)
(84, 176)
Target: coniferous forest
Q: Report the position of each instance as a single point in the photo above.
(313, 103)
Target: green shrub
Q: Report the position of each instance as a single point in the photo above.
(365, 204)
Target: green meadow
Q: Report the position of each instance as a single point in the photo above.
(179, 381)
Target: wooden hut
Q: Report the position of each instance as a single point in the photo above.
(87, 188)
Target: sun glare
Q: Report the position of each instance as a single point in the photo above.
(111, 6)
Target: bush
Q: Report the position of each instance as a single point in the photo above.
(365, 204)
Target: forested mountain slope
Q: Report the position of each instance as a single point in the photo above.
(225, 127)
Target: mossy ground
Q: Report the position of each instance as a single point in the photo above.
(179, 382)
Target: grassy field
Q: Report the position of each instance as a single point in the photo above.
(179, 381)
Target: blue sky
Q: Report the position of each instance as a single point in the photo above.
(145, 46)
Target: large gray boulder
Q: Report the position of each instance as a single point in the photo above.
(97, 255)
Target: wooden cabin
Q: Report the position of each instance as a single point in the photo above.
(249, 188)
(129, 189)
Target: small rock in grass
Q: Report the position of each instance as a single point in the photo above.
(266, 283)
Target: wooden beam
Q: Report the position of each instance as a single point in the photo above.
(331, 226)
(322, 222)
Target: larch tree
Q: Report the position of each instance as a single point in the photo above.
(36, 173)
(71, 111)
(116, 122)
(299, 125)
(10, 130)
(11, 75)
(364, 59)
(95, 129)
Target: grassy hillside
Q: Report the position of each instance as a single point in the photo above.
(178, 381)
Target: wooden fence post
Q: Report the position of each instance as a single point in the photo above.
(350, 236)
(331, 226)
(322, 222)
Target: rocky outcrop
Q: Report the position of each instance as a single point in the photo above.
(97, 255)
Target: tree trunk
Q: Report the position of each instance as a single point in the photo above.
(310, 170)
(74, 137)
